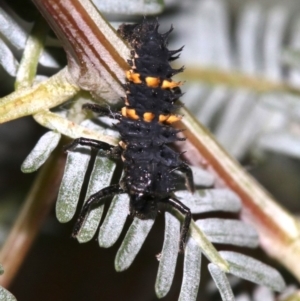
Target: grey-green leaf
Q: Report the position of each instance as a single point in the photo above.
(221, 282)
(69, 191)
(168, 256)
(130, 7)
(208, 200)
(202, 177)
(114, 221)
(226, 231)
(132, 243)
(100, 177)
(191, 271)
(253, 270)
(41, 152)
(7, 59)
(5, 295)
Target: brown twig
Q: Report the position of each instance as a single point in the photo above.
(279, 231)
(38, 203)
(96, 56)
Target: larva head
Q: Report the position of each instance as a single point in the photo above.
(144, 36)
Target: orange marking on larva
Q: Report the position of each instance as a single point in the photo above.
(133, 77)
(152, 82)
(131, 113)
(170, 118)
(148, 116)
(170, 84)
(128, 74)
(173, 118)
(163, 118)
(124, 112)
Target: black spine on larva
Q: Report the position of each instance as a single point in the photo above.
(148, 161)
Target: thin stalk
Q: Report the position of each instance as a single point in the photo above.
(205, 245)
(32, 52)
(68, 128)
(279, 231)
(237, 80)
(48, 94)
(38, 203)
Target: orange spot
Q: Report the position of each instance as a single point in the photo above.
(163, 118)
(169, 118)
(132, 114)
(148, 116)
(173, 118)
(152, 82)
(170, 84)
(133, 77)
(123, 112)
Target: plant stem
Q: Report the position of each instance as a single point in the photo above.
(38, 203)
(279, 231)
(32, 51)
(237, 80)
(97, 57)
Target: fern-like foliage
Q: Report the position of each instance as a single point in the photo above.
(216, 230)
(252, 57)
(243, 119)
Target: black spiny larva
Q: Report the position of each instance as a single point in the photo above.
(144, 127)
